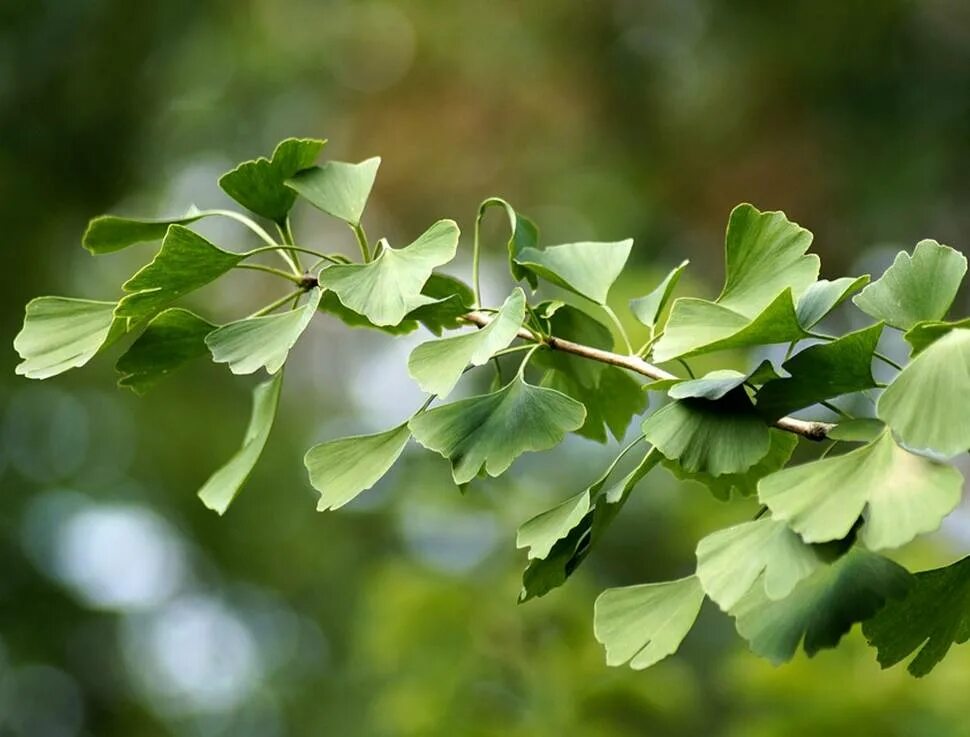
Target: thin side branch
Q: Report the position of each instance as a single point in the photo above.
(805, 428)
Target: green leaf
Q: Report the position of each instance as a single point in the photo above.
(574, 543)
(924, 334)
(860, 430)
(492, 430)
(782, 445)
(109, 233)
(926, 404)
(342, 469)
(730, 561)
(588, 268)
(647, 309)
(258, 185)
(934, 615)
(218, 492)
(389, 287)
(764, 255)
(173, 337)
(61, 333)
(523, 234)
(543, 531)
(261, 342)
(438, 364)
(821, 372)
(185, 262)
(714, 385)
(337, 188)
(696, 326)
(646, 623)
(824, 296)
(904, 495)
(822, 608)
(714, 437)
(915, 288)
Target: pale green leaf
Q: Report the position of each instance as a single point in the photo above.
(903, 494)
(543, 531)
(588, 268)
(492, 430)
(109, 233)
(261, 342)
(173, 337)
(337, 188)
(389, 287)
(859, 430)
(915, 288)
(925, 333)
(648, 309)
(218, 492)
(523, 234)
(258, 185)
(713, 385)
(61, 333)
(822, 608)
(824, 296)
(926, 405)
(186, 262)
(644, 624)
(438, 364)
(342, 469)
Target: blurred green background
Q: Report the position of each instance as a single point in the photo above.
(126, 608)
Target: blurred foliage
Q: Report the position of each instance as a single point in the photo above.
(128, 608)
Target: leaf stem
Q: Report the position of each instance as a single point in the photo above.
(362, 242)
(284, 247)
(837, 410)
(270, 270)
(514, 349)
(526, 359)
(882, 357)
(687, 368)
(286, 234)
(276, 305)
(476, 255)
(619, 328)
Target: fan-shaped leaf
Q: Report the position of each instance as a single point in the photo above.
(337, 188)
(714, 385)
(109, 233)
(824, 296)
(523, 234)
(647, 309)
(924, 334)
(173, 337)
(588, 268)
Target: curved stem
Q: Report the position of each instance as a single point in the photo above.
(687, 368)
(258, 230)
(362, 242)
(476, 256)
(277, 304)
(286, 234)
(525, 360)
(270, 270)
(841, 412)
(876, 354)
(619, 328)
(284, 247)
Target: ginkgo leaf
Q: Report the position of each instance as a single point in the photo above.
(933, 615)
(575, 539)
(261, 342)
(729, 561)
(644, 624)
(221, 488)
(822, 608)
(926, 404)
(915, 288)
(647, 309)
(714, 437)
(904, 495)
(258, 185)
(713, 385)
(858, 430)
(342, 469)
(61, 333)
(588, 268)
(185, 262)
(824, 296)
(523, 234)
(696, 326)
(389, 287)
(821, 372)
(109, 233)
(173, 337)
(337, 188)
(924, 334)
(492, 430)
(438, 364)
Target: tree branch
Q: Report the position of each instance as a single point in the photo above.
(805, 428)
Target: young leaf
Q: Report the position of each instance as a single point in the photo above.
(715, 385)
(337, 188)
(218, 492)
(730, 561)
(492, 430)
(926, 404)
(647, 309)
(821, 372)
(934, 615)
(824, 296)
(714, 437)
(906, 495)
(924, 334)
(173, 337)
(261, 342)
(185, 262)
(438, 364)
(389, 287)
(822, 608)
(588, 269)
(543, 531)
(915, 288)
(646, 623)
(109, 233)
(342, 469)
(61, 333)
(523, 234)
(258, 185)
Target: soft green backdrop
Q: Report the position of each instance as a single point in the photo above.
(126, 608)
